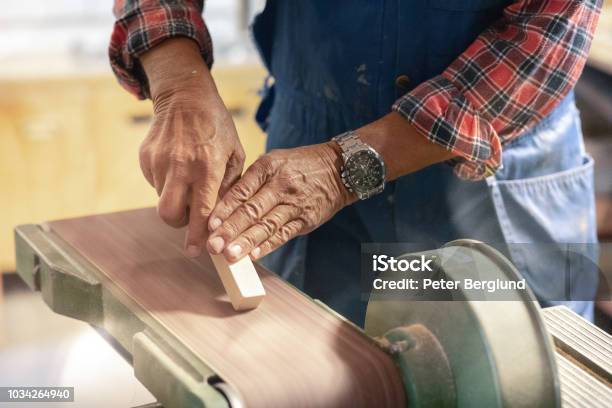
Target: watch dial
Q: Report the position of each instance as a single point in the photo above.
(364, 171)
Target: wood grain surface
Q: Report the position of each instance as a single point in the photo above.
(289, 352)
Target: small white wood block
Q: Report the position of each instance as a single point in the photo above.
(241, 282)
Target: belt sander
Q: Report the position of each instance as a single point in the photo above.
(125, 274)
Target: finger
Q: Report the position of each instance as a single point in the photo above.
(248, 214)
(233, 171)
(159, 180)
(146, 171)
(172, 206)
(254, 177)
(204, 196)
(144, 159)
(261, 231)
(285, 233)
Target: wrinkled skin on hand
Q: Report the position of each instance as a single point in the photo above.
(285, 193)
(192, 153)
(191, 156)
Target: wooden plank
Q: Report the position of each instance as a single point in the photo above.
(288, 352)
(241, 282)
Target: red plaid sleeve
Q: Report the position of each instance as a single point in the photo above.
(513, 75)
(142, 24)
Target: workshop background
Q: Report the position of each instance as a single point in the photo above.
(69, 138)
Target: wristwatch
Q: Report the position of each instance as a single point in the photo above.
(363, 170)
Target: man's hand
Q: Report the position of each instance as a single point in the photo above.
(192, 153)
(285, 193)
(291, 192)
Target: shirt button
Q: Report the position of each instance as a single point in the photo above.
(402, 82)
(391, 199)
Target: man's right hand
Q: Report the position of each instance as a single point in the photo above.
(192, 153)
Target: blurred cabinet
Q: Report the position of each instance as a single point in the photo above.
(69, 146)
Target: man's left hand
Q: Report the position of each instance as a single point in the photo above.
(285, 193)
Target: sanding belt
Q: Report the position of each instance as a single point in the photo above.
(288, 352)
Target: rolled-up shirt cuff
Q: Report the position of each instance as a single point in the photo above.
(439, 111)
(134, 34)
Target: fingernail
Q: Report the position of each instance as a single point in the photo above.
(255, 253)
(234, 250)
(193, 251)
(214, 223)
(216, 244)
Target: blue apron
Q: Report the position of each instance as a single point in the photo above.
(335, 65)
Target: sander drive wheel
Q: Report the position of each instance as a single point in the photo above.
(467, 351)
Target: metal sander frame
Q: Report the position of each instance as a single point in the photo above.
(71, 286)
(450, 353)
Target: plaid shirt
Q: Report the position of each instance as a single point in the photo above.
(512, 75)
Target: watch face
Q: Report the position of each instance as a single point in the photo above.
(364, 171)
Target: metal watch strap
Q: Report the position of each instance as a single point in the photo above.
(349, 143)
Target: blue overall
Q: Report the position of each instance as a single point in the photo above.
(335, 65)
